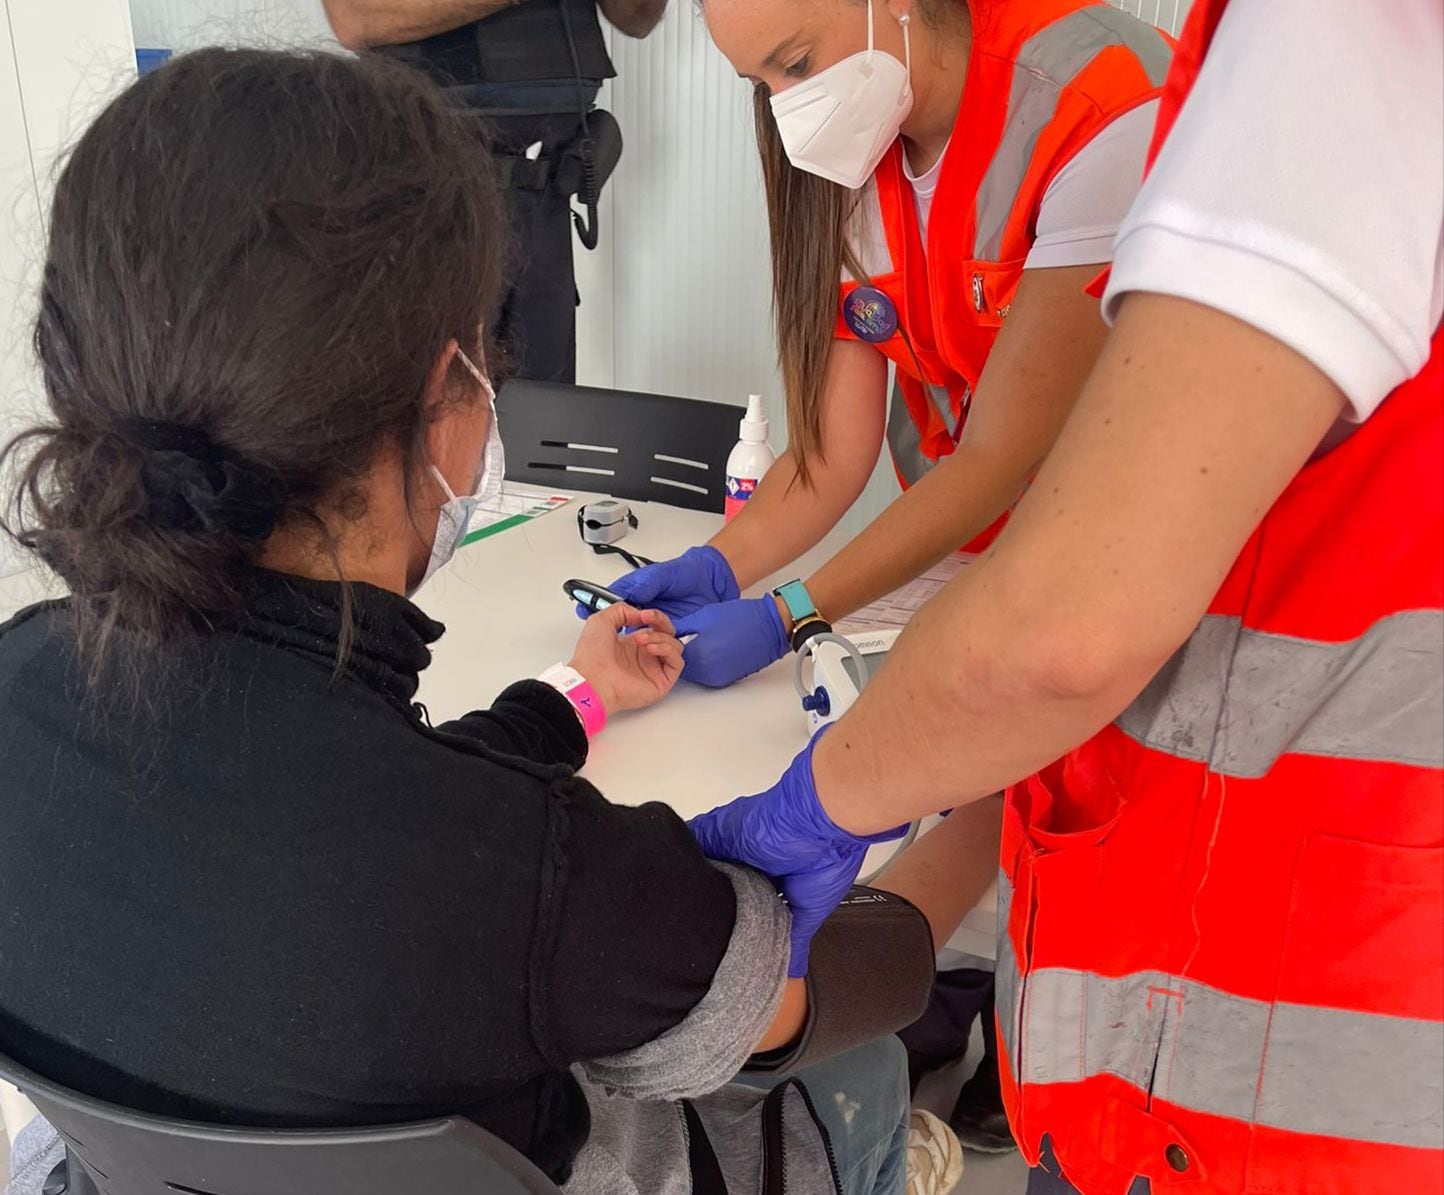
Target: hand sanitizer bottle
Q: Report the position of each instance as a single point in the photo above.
(750, 458)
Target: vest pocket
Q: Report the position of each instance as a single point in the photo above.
(990, 288)
(1354, 1046)
(1364, 927)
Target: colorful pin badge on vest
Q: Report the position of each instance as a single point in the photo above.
(869, 314)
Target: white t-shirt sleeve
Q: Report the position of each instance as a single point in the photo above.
(1080, 212)
(1302, 188)
(865, 235)
(1086, 202)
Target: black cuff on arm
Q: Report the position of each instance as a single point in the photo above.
(529, 719)
(870, 973)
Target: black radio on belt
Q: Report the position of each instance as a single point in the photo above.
(535, 41)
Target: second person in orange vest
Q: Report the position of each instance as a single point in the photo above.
(943, 179)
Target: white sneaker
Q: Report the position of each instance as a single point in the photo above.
(935, 1159)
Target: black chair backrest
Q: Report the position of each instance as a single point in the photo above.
(646, 447)
(114, 1151)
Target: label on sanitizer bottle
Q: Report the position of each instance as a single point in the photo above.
(739, 489)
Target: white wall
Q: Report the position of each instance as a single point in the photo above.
(189, 24)
(1166, 14)
(19, 226)
(58, 65)
(689, 283)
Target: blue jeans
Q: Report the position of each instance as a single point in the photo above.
(863, 1100)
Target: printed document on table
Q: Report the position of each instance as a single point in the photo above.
(516, 504)
(894, 611)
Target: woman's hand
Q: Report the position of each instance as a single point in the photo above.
(630, 657)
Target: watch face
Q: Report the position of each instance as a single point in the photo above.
(807, 628)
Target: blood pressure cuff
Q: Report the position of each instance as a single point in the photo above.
(870, 973)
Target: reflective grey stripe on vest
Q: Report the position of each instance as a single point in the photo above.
(1353, 1075)
(1237, 699)
(1006, 973)
(903, 437)
(1047, 63)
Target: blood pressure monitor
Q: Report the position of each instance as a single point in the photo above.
(830, 670)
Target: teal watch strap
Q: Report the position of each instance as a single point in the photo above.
(798, 601)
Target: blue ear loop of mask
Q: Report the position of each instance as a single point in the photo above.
(454, 518)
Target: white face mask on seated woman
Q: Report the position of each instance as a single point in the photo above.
(454, 518)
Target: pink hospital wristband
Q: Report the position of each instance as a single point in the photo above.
(572, 685)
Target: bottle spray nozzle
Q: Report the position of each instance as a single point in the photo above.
(754, 425)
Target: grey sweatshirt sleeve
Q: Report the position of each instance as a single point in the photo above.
(710, 1046)
(35, 1152)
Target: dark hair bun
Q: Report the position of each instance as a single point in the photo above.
(194, 485)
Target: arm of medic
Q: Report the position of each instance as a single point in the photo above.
(360, 24)
(635, 18)
(1023, 398)
(1108, 563)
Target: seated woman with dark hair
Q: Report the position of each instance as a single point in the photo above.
(245, 881)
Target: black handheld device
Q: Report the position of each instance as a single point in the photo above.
(591, 595)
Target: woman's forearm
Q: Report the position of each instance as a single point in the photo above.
(782, 520)
(784, 517)
(954, 503)
(1032, 379)
(359, 24)
(1108, 563)
(982, 689)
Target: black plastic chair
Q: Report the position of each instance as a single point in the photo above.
(114, 1151)
(646, 447)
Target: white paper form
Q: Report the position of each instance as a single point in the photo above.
(901, 604)
(516, 504)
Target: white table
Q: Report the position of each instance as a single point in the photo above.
(507, 618)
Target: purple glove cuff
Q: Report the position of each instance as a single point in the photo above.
(802, 764)
(780, 644)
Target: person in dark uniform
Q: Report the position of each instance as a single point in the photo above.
(531, 69)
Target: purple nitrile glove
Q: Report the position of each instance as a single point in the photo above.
(699, 577)
(785, 834)
(731, 640)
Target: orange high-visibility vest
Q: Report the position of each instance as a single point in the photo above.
(1221, 960)
(1044, 78)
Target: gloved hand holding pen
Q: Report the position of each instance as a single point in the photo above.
(786, 834)
(730, 636)
(729, 640)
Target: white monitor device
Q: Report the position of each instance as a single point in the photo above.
(832, 670)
